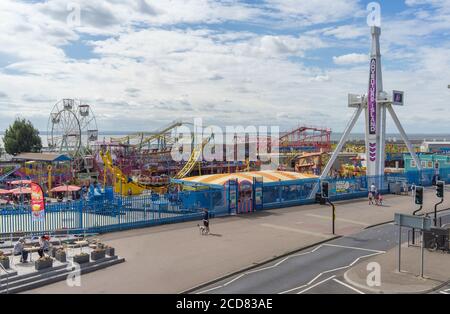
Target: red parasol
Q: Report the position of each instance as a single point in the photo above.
(19, 191)
(66, 188)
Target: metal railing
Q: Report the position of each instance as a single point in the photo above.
(116, 212)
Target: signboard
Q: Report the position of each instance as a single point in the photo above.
(372, 97)
(398, 98)
(415, 222)
(37, 202)
(258, 193)
(232, 194)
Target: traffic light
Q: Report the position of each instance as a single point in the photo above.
(324, 189)
(440, 189)
(419, 195)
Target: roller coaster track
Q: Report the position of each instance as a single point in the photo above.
(7, 174)
(136, 187)
(193, 159)
(148, 137)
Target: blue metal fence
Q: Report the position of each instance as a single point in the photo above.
(106, 214)
(115, 212)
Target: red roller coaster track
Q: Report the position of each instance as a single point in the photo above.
(301, 137)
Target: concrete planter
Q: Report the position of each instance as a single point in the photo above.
(98, 254)
(41, 264)
(61, 256)
(52, 251)
(110, 251)
(5, 262)
(81, 259)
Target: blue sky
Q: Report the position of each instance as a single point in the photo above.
(142, 63)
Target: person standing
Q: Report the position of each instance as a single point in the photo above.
(206, 220)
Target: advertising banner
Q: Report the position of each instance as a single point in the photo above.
(258, 193)
(37, 202)
(372, 97)
(232, 194)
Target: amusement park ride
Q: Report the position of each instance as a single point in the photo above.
(375, 104)
(71, 129)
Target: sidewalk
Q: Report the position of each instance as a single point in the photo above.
(436, 272)
(174, 258)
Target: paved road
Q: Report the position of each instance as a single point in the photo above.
(318, 270)
(444, 290)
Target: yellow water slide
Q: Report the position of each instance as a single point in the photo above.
(121, 182)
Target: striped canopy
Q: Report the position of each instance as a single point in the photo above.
(268, 177)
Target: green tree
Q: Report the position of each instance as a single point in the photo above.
(22, 137)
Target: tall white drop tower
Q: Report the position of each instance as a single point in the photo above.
(375, 105)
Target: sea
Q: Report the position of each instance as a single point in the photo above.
(335, 137)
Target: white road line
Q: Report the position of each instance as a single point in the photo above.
(316, 234)
(293, 289)
(237, 278)
(340, 219)
(319, 283)
(354, 248)
(348, 286)
(297, 255)
(208, 290)
(330, 271)
(443, 292)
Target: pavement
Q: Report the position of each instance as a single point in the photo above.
(175, 258)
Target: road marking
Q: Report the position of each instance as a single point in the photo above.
(340, 219)
(316, 234)
(319, 283)
(237, 278)
(293, 289)
(298, 255)
(443, 292)
(208, 290)
(348, 286)
(330, 271)
(354, 248)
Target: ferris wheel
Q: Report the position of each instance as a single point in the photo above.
(71, 127)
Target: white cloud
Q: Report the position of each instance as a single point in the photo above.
(150, 69)
(346, 32)
(306, 12)
(352, 58)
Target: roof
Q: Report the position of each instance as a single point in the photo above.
(46, 157)
(268, 177)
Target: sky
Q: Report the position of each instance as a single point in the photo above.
(140, 64)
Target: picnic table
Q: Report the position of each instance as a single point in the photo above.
(31, 250)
